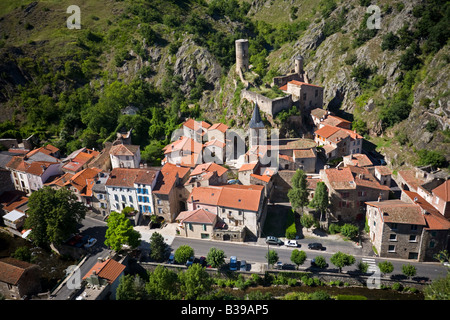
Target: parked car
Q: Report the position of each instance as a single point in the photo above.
(202, 261)
(90, 243)
(74, 240)
(82, 242)
(171, 258)
(274, 240)
(243, 266)
(233, 263)
(291, 243)
(316, 246)
(279, 265)
(190, 261)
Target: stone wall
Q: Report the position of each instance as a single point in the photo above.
(267, 105)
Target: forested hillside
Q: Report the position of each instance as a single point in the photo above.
(149, 64)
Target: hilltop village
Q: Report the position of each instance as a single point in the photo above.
(218, 183)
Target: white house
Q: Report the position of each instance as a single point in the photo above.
(125, 156)
(131, 188)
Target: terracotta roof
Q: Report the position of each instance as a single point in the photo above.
(185, 144)
(17, 163)
(11, 270)
(326, 131)
(262, 178)
(61, 181)
(124, 150)
(197, 216)
(363, 178)
(16, 203)
(358, 159)
(127, 177)
(305, 153)
(443, 191)
(37, 168)
(219, 126)
(209, 167)
(286, 157)
(80, 179)
(337, 122)
(397, 211)
(312, 183)
(48, 150)
(109, 270)
(231, 196)
(167, 178)
(283, 88)
(196, 125)
(319, 112)
(215, 143)
(248, 166)
(410, 178)
(299, 83)
(340, 178)
(434, 219)
(383, 170)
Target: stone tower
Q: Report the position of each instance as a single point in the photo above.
(242, 56)
(299, 65)
(256, 125)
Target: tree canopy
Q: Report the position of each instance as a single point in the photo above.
(53, 215)
(120, 232)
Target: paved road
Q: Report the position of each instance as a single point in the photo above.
(257, 252)
(94, 228)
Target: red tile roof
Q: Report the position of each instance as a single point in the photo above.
(299, 83)
(167, 178)
(11, 270)
(185, 144)
(109, 270)
(209, 167)
(196, 125)
(397, 211)
(127, 177)
(443, 191)
(124, 150)
(326, 131)
(434, 219)
(231, 196)
(197, 216)
(359, 159)
(219, 126)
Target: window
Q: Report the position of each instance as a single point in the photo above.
(204, 227)
(393, 237)
(130, 198)
(123, 198)
(432, 244)
(413, 238)
(391, 248)
(116, 197)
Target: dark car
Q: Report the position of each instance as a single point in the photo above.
(316, 246)
(171, 258)
(243, 266)
(190, 261)
(274, 240)
(202, 261)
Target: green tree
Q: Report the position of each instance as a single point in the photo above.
(272, 257)
(157, 247)
(22, 253)
(162, 284)
(194, 282)
(298, 257)
(120, 232)
(298, 194)
(183, 253)
(131, 288)
(341, 260)
(307, 220)
(53, 215)
(385, 267)
(216, 257)
(409, 270)
(350, 231)
(320, 262)
(321, 200)
(439, 289)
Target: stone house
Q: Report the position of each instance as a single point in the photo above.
(298, 154)
(246, 170)
(197, 224)
(357, 159)
(206, 174)
(310, 96)
(441, 198)
(236, 206)
(18, 278)
(407, 229)
(349, 188)
(125, 156)
(169, 194)
(99, 201)
(185, 152)
(196, 130)
(132, 188)
(102, 280)
(338, 142)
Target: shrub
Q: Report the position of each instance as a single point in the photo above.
(390, 42)
(319, 295)
(334, 228)
(397, 286)
(350, 297)
(350, 231)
